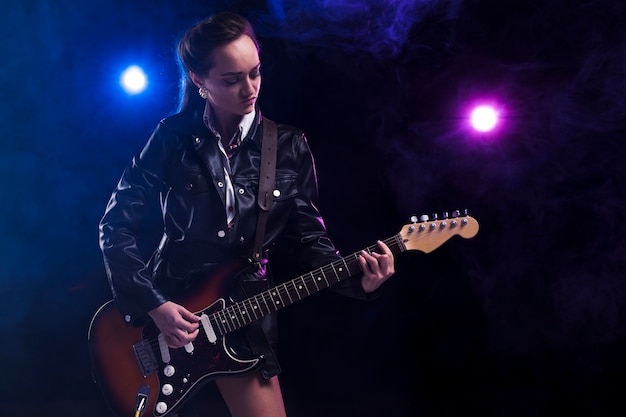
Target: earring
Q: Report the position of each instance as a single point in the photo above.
(203, 93)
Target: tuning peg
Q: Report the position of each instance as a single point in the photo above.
(424, 218)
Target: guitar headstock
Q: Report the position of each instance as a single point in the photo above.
(426, 234)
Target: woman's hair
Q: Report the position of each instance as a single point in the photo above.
(195, 47)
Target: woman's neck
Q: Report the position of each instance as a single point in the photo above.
(226, 124)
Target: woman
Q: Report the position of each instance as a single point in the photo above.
(203, 162)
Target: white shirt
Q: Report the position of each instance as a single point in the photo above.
(242, 131)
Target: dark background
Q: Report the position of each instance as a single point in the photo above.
(527, 318)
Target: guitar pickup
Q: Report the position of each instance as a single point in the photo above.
(145, 357)
(208, 329)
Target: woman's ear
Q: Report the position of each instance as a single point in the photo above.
(196, 80)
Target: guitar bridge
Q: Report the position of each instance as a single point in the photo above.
(145, 357)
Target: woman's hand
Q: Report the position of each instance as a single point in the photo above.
(377, 267)
(178, 325)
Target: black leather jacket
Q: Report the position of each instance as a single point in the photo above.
(181, 162)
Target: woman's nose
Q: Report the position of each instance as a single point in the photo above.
(249, 87)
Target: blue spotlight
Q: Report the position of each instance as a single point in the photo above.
(133, 80)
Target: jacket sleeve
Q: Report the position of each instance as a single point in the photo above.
(128, 271)
(306, 231)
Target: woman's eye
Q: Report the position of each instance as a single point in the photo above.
(231, 81)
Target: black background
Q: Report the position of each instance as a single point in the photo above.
(526, 318)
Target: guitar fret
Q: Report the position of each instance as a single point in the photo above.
(344, 270)
(314, 281)
(236, 316)
(335, 272)
(345, 264)
(356, 263)
(313, 284)
(240, 315)
(352, 264)
(325, 277)
(276, 303)
(267, 307)
(245, 315)
(295, 290)
(233, 316)
(255, 307)
(288, 286)
(224, 320)
(229, 319)
(219, 323)
(288, 295)
(303, 285)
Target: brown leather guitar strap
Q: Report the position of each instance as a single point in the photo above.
(267, 176)
(255, 334)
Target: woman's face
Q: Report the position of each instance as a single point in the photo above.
(234, 81)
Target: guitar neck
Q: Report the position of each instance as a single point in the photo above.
(251, 309)
(425, 235)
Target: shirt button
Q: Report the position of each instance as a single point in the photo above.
(188, 186)
(220, 184)
(276, 193)
(196, 139)
(128, 318)
(241, 191)
(221, 233)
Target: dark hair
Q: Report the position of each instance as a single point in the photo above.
(195, 47)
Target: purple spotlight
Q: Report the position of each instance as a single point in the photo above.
(484, 118)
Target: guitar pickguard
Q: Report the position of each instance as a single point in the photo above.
(190, 368)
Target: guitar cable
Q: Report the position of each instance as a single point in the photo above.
(140, 407)
(141, 399)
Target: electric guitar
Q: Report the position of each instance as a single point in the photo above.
(137, 372)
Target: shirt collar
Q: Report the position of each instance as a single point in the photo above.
(245, 125)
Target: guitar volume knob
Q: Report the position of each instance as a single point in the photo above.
(167, 389)
(169, 371)
(161, 407)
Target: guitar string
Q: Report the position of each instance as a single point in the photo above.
(308, 278)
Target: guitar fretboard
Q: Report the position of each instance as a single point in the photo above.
(252, 309)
